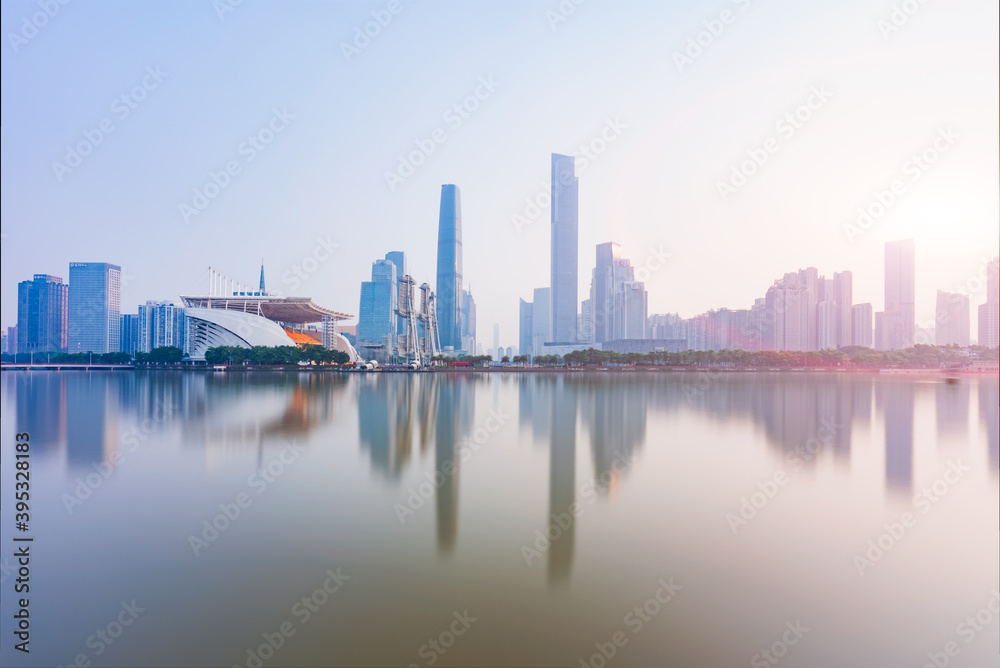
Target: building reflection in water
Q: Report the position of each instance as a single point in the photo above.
(562, 477)
(896, 398)
(989, 396)
(454, 416)
(41, 408)
(615, 417)
(952, 410)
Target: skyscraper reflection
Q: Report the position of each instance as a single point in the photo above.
(989, 395)
(562, 477)
(896, 399)
(952, 409)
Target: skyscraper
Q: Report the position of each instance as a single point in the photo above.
(524, 327)
(42, 314)
(563, 283)
(843, 296)
(861, 325)
(602, 291)
(449, 269)
(469, 323)
(900, 289)
(951, 319)
(94, 321)
(540, 329)
(377, 311)
(989, 311)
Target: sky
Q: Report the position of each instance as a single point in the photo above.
(722, 144)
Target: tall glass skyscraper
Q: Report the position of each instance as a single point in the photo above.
(94, 307)
(563, 284)
(41, 314)
(377, 312)
(398, 258)
(449, 269)
(900, 291)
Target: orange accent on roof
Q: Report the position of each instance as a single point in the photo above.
(302, 339)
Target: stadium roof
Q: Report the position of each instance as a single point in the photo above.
(298, 310)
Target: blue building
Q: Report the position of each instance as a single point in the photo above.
(94, 318)
(377, 311)
(563, 283)
(128, 338)
(449, 269)
(41, 314)
(398, 258)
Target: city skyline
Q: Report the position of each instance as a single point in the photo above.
(650, 150)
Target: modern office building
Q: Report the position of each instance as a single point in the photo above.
(900, 291)
(951, 319)
(377, 320)
(525, 328)
(989, 312)
(585, 328)
(12, 340)
(564, 250)
(129, 340)
(602, 291)
(468, 324)
(94, 318)
(540, 313)
(42, 308)
(449, 269)
(861, 325)
(634, 310)
(843, 298)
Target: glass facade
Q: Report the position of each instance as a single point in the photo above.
(94, 307)
(377, 311)
(128, 338)
(41, 314)
(449, 269)
(563, 299)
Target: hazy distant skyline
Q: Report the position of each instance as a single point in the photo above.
(673, 130)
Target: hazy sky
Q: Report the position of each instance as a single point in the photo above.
(198, 81)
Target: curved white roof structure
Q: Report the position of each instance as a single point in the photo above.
(214, 327)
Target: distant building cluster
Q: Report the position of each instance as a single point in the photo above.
(801, 311)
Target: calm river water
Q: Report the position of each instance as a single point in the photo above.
(483, 519)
